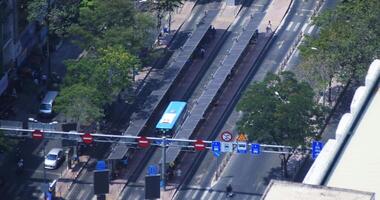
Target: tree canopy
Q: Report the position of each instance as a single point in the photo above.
(80, 103)
(279, 110)
(109, 23)
(347, 42)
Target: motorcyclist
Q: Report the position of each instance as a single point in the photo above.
(20, 165)
(229, 190)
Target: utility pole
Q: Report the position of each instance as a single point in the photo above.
(163, 161)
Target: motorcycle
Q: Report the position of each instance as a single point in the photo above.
(20, 166)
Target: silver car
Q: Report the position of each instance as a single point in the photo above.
(54, 158)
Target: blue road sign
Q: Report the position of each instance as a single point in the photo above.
(125, 162)
(316, 149)
(255, 148)
(152, 170)
(215, 146)
(100, 165)
(241, 147)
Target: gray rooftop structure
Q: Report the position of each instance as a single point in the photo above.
(242, 31)
(278, 190)
(165, 78)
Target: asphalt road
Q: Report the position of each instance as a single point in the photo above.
(249, 174)
(30, 183)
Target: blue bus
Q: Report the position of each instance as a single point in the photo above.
(171, 118)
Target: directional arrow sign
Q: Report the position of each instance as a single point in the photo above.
(199, 145)
(143, 142)
(37, 134)
(87, 138)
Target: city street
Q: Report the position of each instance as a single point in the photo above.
(249, 174)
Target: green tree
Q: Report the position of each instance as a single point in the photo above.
(110, 71)
(60, 16)
(281, 111)
(162, 6)
(110, 23)
(347, 42)
(80, 103)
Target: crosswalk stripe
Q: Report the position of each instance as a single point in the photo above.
(212, 195)
(205, 193)
(304, 27)
(195, 194)
(311, 29)
(289, 26)
(220, 196)
(296, 27)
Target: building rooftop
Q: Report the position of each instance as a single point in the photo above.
(352, 160)
(280, 190)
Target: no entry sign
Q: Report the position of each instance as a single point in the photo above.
(199, 145)
(87, 138)
(143, 142)
(37, 135)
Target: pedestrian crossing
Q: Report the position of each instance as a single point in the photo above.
(306, 27)
(213, 195)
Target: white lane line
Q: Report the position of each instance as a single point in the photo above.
(205, 193)
(280, 44)
(289, 26)
(296, 27)
(195, 194)
(212, 195)
(311, 29)
(221, 195)
(81, 193)
(304, 27)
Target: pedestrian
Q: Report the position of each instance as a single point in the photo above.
(203, 51)
(178, 172)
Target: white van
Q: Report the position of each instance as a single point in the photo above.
(46, 106)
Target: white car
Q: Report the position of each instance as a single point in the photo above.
(54, 158)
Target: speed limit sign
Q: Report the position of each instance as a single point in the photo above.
(226, 136)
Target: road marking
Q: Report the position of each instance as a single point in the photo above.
(213, 194)
(297, 25)
(205, 193)
(290, 25)
(221, 195)
(195, 194)
(280, 44)
(304, 27)
(311, 29)
(81, 193)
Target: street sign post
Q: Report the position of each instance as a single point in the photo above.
(199, 145)
(226, 136)
(87, 138)
(255, 149)
(316, 149)
(226, 147)
(37, 135)
(241, 147)
(143, 142)
(215, 146)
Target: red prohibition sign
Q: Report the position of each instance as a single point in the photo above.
(226, 136)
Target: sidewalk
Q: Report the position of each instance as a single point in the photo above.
(65, 182)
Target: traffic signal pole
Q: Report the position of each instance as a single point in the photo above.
(163, 162)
